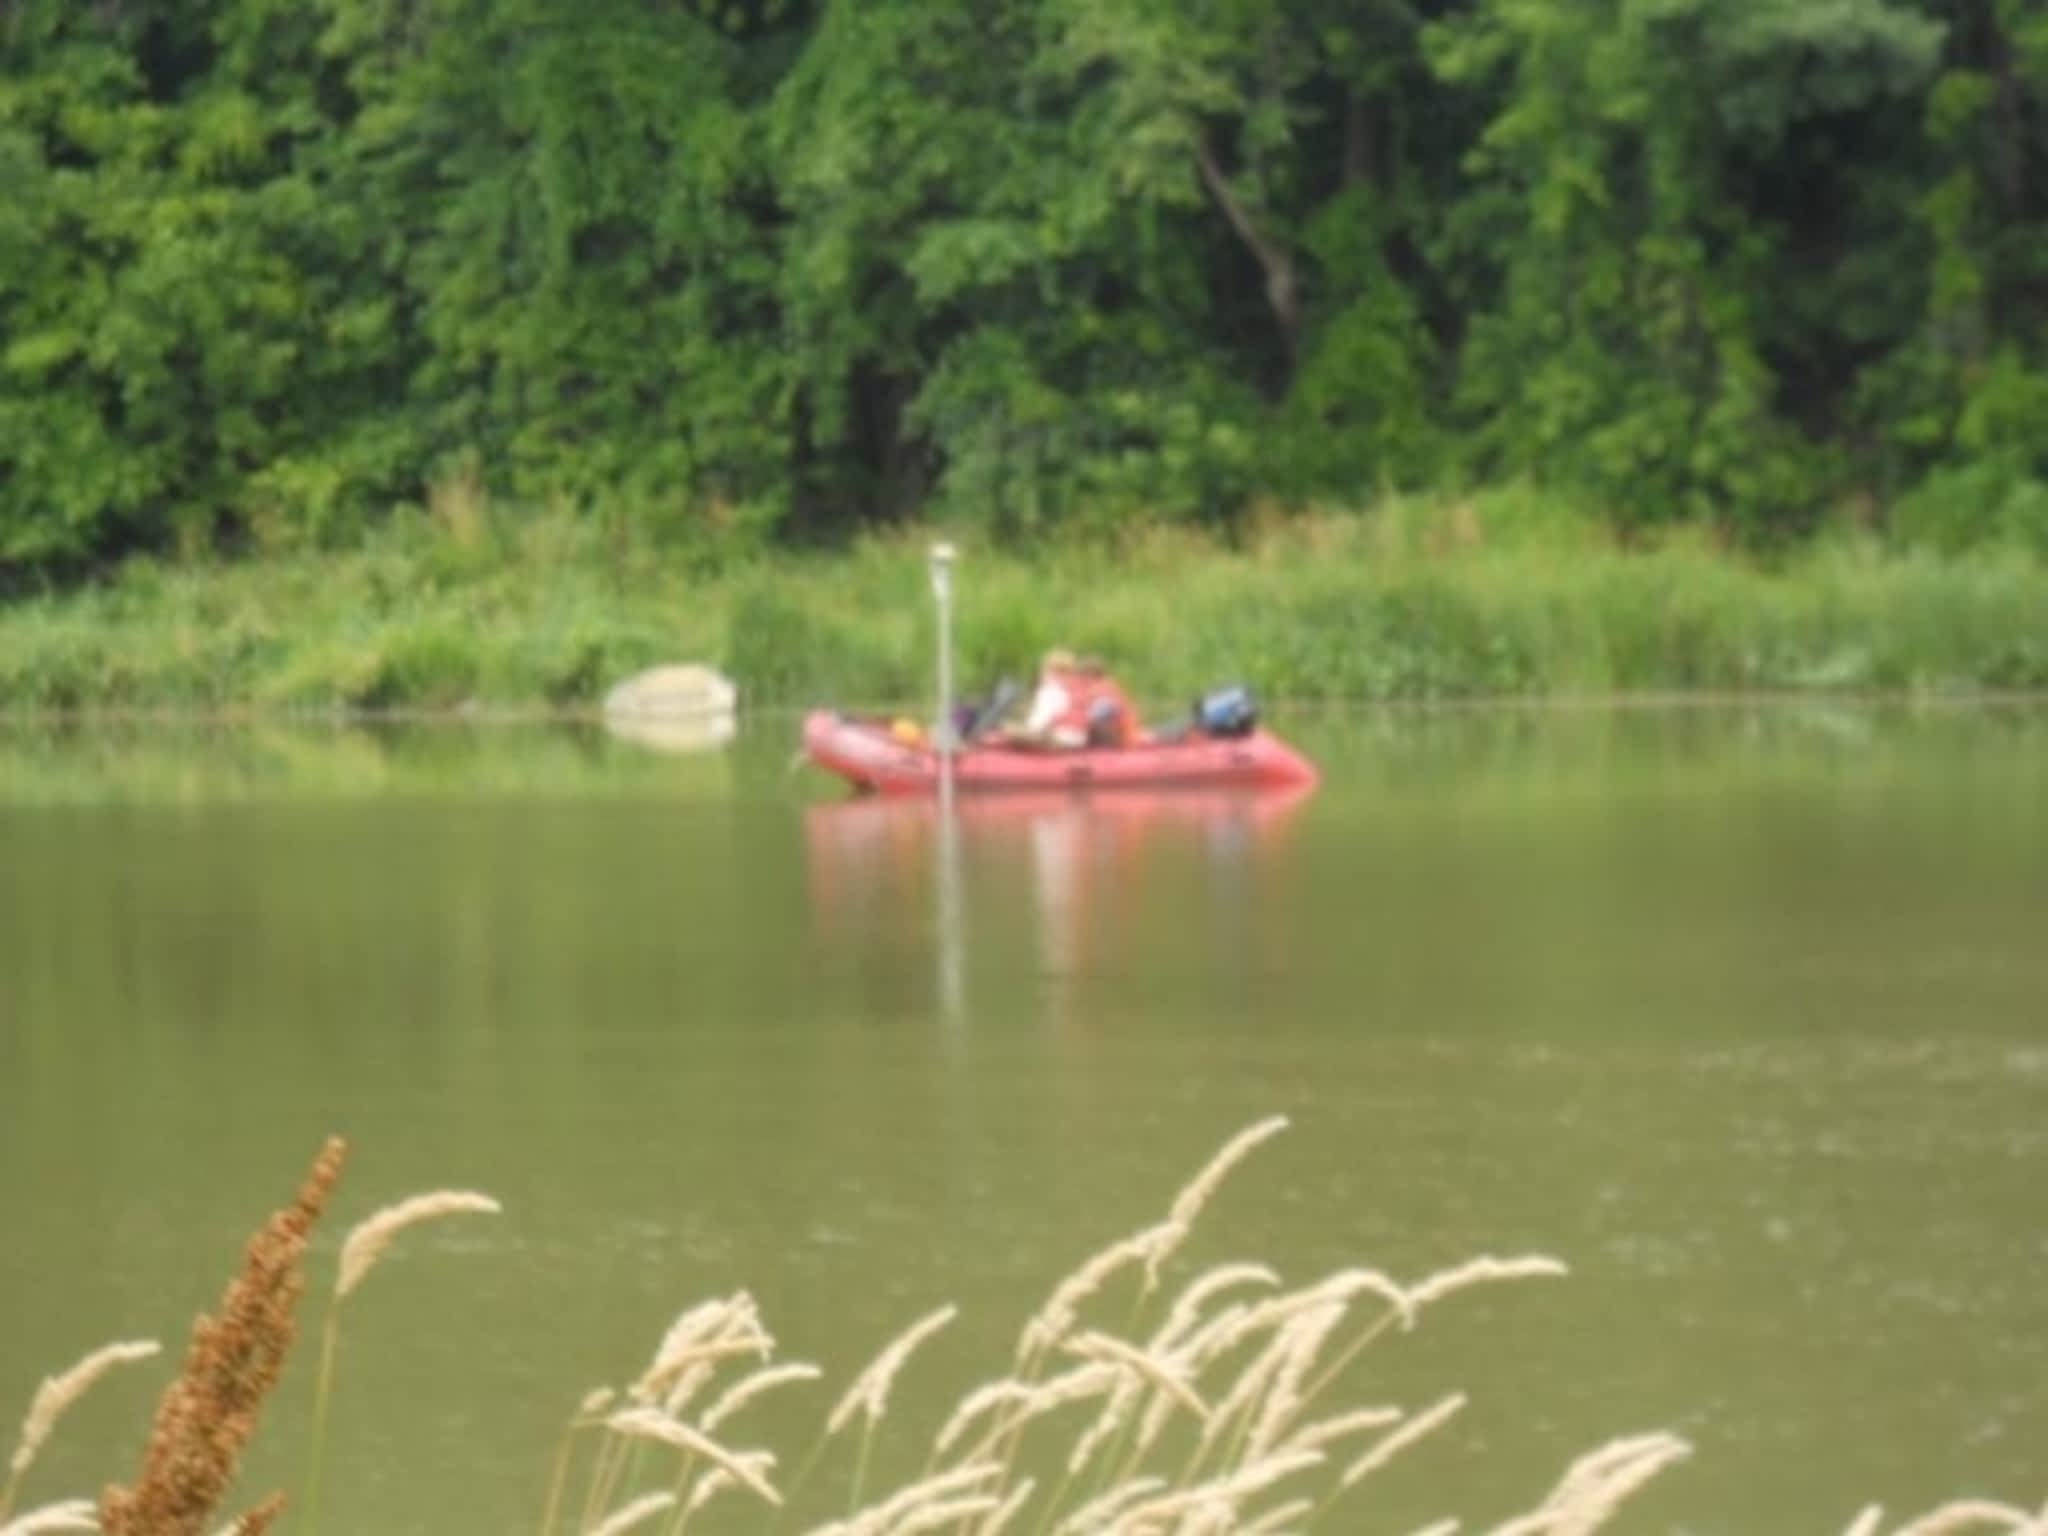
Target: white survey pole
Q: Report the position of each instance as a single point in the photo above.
(952, 970)
(941, 561)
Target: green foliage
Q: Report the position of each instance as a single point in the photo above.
(1630, 200)
(709, 276)
(1976, 506)
(793, 650)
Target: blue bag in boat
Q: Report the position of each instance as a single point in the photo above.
(1227, 712)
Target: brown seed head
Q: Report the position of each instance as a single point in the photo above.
(208, 1414)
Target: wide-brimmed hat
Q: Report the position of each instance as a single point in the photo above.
(1058, 660)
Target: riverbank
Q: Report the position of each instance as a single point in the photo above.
(1414, 601)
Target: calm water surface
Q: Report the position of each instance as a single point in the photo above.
(1742, 1011)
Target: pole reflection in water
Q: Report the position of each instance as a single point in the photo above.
(1061, 882)
(952, 925)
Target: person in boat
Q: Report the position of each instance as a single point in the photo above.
(1077, 704)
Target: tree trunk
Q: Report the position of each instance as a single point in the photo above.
(1283, 284)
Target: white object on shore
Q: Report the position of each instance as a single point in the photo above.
(686, 691)
(687, 707)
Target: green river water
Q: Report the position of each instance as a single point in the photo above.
(1741, 1010)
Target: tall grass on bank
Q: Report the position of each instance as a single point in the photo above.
(1139, 1400)
(1502, 595)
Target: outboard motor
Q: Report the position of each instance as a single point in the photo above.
(1227, 712)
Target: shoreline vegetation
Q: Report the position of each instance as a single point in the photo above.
(466, 606)
(1214, 1407)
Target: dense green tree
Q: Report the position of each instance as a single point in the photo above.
(572, 217)
(1958, 406)
(1651, 196)
(158, 341)
(269, 268)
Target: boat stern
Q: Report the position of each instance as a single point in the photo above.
(1281, 766)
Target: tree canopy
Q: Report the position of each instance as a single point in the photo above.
(737, 269)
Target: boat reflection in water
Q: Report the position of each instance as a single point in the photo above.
(1055, 883)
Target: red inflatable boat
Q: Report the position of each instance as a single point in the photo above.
(871, 757)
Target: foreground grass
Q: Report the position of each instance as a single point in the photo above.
(1411, 601)
(1143, 1398)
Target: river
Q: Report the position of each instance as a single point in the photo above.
(1740, 1010)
